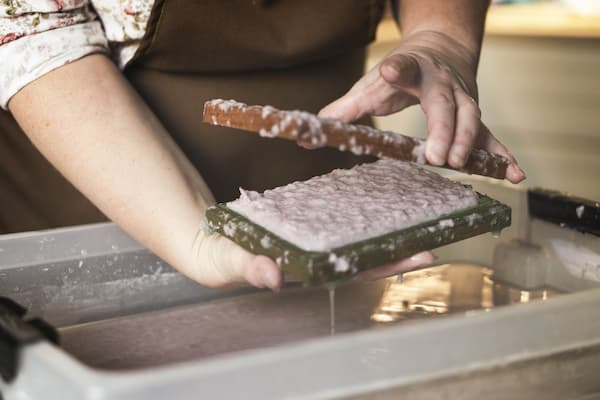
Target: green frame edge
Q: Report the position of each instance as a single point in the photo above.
(319, 268)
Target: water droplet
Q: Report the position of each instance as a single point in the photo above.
(332, 310)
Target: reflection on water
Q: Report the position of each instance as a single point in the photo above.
(447, 289)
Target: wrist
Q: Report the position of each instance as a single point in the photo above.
(441, 42)
(461, 21)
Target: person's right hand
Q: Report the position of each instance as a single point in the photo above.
(220, 262)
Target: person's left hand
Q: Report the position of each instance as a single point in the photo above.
(438, 72)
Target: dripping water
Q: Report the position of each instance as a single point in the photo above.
(331, 310)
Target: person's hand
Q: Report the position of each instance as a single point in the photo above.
(436, 71)
(221, 263)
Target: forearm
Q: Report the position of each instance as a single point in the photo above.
(462, 20)
(93, 127)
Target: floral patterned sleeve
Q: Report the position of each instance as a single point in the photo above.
(38, 36)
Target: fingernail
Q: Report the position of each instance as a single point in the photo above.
(423, 258)
(326, 113)
(456, 160)
(435, 153)
(458, 155)
(271, 279)
(517, 173)
(391, 71)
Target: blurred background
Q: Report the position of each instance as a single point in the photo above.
(539, 88)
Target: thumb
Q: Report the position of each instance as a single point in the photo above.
(346, 109)
(400, 70)
(380, 91)
(221, 262)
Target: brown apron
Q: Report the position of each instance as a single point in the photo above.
(287, 53)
